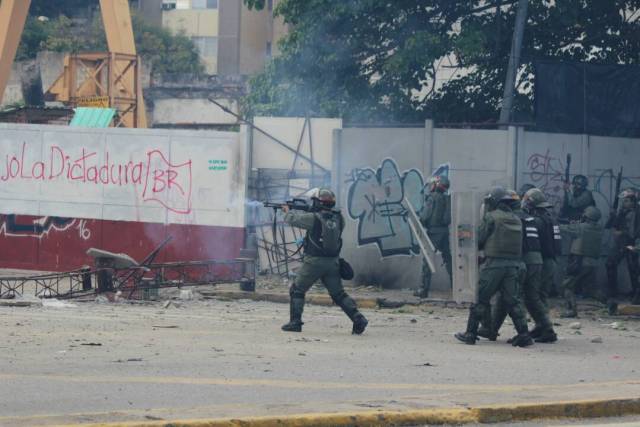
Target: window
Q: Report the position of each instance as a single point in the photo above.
(268, 49)
(270, 5)
(204, 4)
(207, 46)
(182, 4)
(168, 5)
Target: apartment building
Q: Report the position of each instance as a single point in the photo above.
(232, 39)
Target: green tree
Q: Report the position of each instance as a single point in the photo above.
(366, 60)
(166, 52)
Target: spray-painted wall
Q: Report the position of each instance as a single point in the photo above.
(63, 190)
(375, 168)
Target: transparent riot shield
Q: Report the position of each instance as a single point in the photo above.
(465, 218)
(427, 250)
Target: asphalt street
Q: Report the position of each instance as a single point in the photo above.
(97, 362)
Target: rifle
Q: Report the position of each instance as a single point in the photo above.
(616, 201)
(567, 180)
(294, 204)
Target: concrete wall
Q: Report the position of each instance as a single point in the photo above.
(375, 168)
(125, 187)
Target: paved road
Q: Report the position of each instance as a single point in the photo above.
(111, 362)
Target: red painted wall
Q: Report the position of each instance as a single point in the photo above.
(60, 244)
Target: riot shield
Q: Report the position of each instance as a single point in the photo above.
(427, 250)
(465, 218)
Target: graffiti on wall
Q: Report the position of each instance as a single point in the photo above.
(376, 200)
(40, 227)
(160, 180)
(547, 172)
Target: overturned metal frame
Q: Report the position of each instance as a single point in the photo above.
(132, 281)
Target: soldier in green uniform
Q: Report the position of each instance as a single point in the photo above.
(500, 236)
(435, 216)
(625, 225)
(576, 200)
(322, 245)
(530, 275)
(584, 255)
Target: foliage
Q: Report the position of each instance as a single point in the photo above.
(366, 60)
(167, 53)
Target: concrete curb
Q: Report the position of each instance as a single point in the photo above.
(454, 416)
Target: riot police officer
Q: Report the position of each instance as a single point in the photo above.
(530, 282)
(322, 245)
(435, 216)
(576, 200)
(625, 225)
(550, 243)
(500, 236)
(583, 256)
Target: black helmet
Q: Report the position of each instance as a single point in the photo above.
(324, 198)
(592, 214)
(524, 188)
(495, 195)
(535, 198)
(580, 181)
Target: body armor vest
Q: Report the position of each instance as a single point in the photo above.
(506, 239)
(550, 240)
(441, 216)
(531, 241)
(588, 241)
(314, 242)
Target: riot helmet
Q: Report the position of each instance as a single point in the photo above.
(580, 182)
(494, 196)
(591, 213)
(534, 198)
(324, 198)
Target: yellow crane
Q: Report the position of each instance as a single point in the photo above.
(109, 79)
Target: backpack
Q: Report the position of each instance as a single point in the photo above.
(325, 238)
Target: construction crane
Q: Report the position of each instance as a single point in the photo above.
(102, 79)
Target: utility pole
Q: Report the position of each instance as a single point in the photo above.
(514, 62)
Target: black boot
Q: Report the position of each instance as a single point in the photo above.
(359, 324)
(350, 308)
(547, 336)
(470, 336)
(572, 306)
(612, 307)
(487, 333)
(523, 339)
(296, 306)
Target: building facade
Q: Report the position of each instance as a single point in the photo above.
(231, 39)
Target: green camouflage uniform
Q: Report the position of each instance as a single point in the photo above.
(435, 216)
(500, 271)
(583, 259)
(316, 267)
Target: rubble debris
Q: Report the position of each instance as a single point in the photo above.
(575, 325)
(597, 339)
(56, 303)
